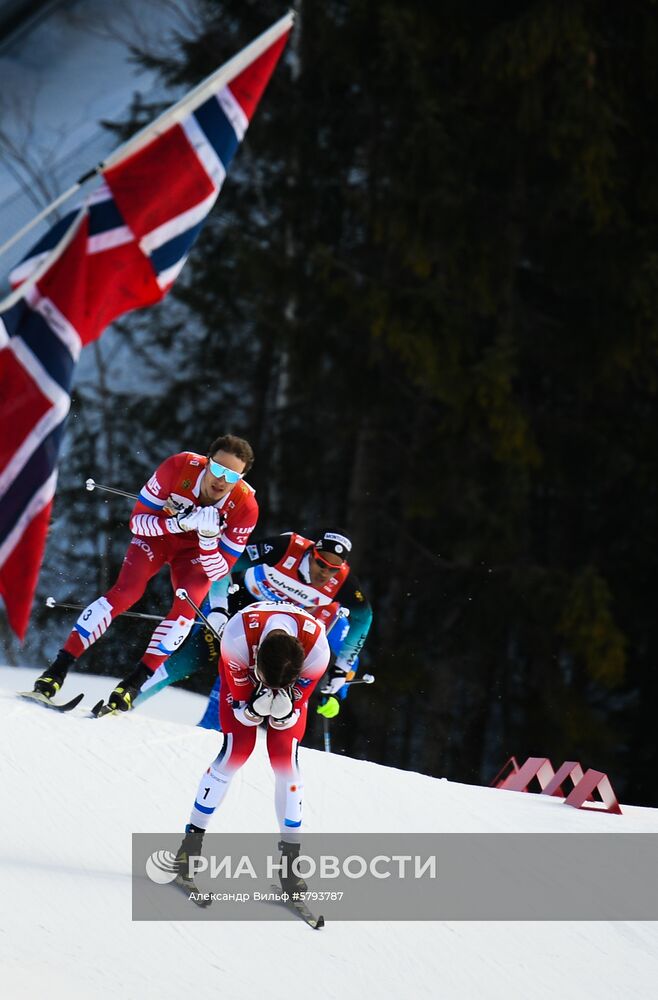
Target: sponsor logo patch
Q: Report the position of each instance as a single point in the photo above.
(344, 542)
(144, 546)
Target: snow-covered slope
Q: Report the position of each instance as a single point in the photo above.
(171, 704)
(73, 790)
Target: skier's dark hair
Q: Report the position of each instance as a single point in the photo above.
(280, 659)
(234, 446)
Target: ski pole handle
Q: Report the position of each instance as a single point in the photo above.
(92, 485)
(366, 679)
(184, 596)
(340, 614)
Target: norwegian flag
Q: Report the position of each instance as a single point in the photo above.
(122, 250)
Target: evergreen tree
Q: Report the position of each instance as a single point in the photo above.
(427, 295)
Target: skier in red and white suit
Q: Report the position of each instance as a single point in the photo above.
(272, 655)
(195, 514)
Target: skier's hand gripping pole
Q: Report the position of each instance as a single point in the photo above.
(366, 679)
(184, 596)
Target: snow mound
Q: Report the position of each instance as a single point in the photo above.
(73, 790)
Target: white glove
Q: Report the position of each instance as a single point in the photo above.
(245, 715)
(208, 522)
(281, 707)
(285, 723)
(261, 701)
(335, 681)
(185, 520)
(218, 618)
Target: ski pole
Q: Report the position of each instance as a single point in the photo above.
(326, 726)
(184, 596)
(52, 603)
(92, 485)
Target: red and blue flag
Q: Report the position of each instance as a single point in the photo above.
(121, 250)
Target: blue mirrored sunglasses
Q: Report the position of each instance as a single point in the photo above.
(221, 472)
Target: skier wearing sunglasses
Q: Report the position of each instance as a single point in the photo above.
(314, 575)
(195, 514)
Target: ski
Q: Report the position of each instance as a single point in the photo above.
(101, 709)
(47, 703)
(191, 891)
(299, 907)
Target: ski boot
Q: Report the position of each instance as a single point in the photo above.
(51, 680)
(191, 846)
(124, 694)
(290, 882)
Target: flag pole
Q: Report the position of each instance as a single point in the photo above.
(203, 90)
(170, 117)
(49, 208)
(45, 264)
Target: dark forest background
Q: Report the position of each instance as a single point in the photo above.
(428, 295)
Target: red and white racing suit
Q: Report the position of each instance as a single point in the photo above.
(158, 541)
(240, 641)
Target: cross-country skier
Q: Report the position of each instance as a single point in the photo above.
(271, 657)
(316, 576)
(195, 514)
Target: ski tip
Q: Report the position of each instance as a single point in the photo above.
(41, 699)
(318, 923)
(102, 709)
